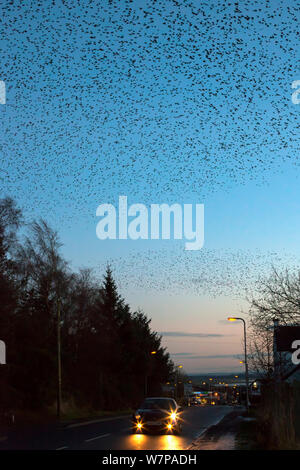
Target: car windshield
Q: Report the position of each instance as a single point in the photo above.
(158, 404)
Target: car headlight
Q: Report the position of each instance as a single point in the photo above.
(173, 416)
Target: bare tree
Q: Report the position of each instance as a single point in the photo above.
(278, 297)
(260, 346)
(10, 220)
(41, 264)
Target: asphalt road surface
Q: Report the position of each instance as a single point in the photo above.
(114, 434)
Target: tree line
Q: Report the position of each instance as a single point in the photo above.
(105, 346)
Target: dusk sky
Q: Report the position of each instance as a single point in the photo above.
(164, 102)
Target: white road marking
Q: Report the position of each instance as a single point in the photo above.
(97, 437)
(61, 448)
(93, 421)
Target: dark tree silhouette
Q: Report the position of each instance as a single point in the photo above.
(106, 348)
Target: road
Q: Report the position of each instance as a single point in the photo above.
(114, 434)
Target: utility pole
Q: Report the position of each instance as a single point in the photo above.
(58, 361)
(246, 367)
(179, 366)
(246, 359)
(276, 354)
(152, 353)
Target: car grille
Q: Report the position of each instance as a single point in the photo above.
(153, 416)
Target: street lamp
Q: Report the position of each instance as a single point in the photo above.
(209, 383)
(58, 334)
(246, 360)
(179, 366)
(152, 353)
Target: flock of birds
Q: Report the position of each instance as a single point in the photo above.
(160, 100)
(215, 273)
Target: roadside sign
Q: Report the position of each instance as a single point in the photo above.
(285, 337)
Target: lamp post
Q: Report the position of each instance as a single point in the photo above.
(179, 366)
(152, 353)
(58, 403)
(246, 359)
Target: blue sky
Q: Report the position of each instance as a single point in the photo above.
(164, 102)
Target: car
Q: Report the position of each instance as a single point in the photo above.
(158, 414)
(194, 401)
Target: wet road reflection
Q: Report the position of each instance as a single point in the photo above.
(162, 442)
